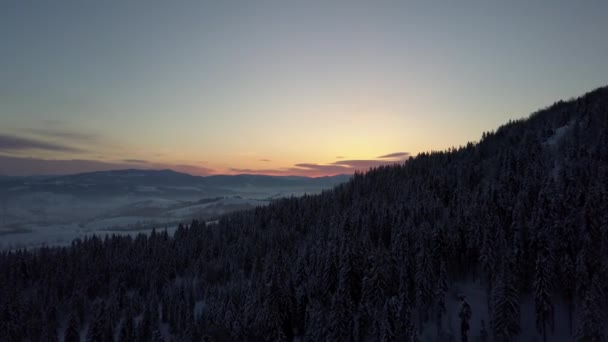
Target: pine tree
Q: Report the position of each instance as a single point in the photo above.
(424, 286)
(440, 296)
(505, 314)
(127, 332)
(542, 296)
(591, 321)
(569, 286)
(49, 333)
(483, 333)
(487, 258)
(72, 333)
(10, 323)
(100, 329)
(157, 336)
(385, 331)
(342, 309)
(145, 327)
(465, 316)
(405, 329)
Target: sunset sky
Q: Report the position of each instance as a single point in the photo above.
(278, 87)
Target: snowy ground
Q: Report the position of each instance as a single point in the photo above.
(57, 220)
(36, 211)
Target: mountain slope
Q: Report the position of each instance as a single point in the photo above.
(501, 240)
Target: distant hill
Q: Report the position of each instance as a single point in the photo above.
(117, 182)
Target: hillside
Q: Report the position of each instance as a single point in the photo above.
(501, 240)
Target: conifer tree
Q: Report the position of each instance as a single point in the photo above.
(72, 333)
(127, 332)
(506, 310)
(542, 296)
(465, 317)
(440, 296)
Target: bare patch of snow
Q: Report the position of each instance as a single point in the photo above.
(558, 134)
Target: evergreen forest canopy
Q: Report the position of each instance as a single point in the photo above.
(523, 214)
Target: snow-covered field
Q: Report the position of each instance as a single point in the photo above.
(57, 220)
(62, 235)
(54, 211)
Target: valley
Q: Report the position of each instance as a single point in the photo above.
(47, 211)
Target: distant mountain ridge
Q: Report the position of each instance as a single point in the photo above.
(115, 182)
(135, 171)
(171, 176)
(168, 174)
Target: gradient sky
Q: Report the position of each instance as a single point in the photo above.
(278, 87)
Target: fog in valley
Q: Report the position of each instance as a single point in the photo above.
(37, 211)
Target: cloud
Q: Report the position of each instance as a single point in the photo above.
(339, 167)
(187, 168)
(333, 168)
(395, 155)
(361, 164)
(270, 172)
(309, 169)
(136, 161)
(264, 160)
(10, 143)
(53, 122)
(15, 166)
(309, 166)
(340, 157)
(63, 134)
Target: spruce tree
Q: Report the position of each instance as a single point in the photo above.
(72, 333)
(506, 308)
(542, 296)
(127, 331)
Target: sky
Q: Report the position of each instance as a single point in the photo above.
(279, 87)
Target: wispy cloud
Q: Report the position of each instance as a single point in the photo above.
(270, 172)
(395, 155)
(264, 160)
(361, 164)
(10, 143)
(333, 168)
(339, 167)
(63, 134)
(135, 161)
(311, 169)
(53, 122)
(187, 168)
(35, 166)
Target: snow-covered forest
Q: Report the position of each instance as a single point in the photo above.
(501, 240)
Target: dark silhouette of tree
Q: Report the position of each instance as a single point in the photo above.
(465, 317)
(506, 308)
(543, 304)
(127, 332)
(72, 332)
